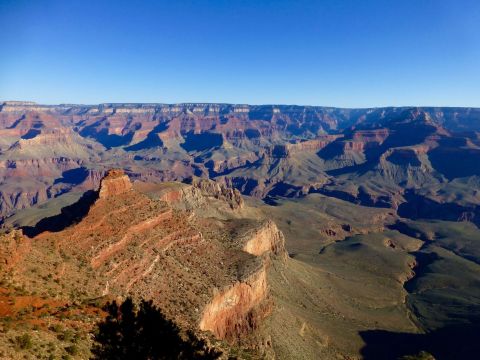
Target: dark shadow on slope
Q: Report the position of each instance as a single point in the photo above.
(73, 176)
(332, 150)
(420, 207)
(31, 134)
(252, 134)
(363, 197)
(448, 343)
(404, 158)
(454, 162)
(201, 142)
(16, 122)
(151, 141)
(245, 185)
(424, 260)
(407, 230)
(106, 139)
(69, 215)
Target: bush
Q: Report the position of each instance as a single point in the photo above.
(56, 328)
(67, 335)
(24, 341)
(72, 350)
(128, 333)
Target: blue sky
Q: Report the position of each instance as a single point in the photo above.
(349, 53)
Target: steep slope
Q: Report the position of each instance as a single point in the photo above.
(187, 262)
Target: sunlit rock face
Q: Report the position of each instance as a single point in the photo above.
(114, 183)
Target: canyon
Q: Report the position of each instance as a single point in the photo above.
(264, 151)
(273, 231)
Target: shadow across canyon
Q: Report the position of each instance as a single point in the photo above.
(421, 207)
(451, 342)
(69, 215)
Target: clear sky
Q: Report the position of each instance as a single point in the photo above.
(350, 53)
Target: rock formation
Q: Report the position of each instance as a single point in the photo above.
(266, 238)
(114, 184)
(128, 243)
(235, 311)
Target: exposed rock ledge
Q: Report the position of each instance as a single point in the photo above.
(219, 191)
(114, 183)
(263, 239)
(235, 311)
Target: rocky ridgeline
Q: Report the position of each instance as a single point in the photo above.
(219, 191)
(127, 243)
(283, 151)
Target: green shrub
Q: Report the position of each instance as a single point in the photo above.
(24, 341)
(72, 350)
(56, 328)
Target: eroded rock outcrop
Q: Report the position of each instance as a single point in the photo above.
(114, 183)
(236, 310)
(147, 247)
(266, 238)
(218, 190)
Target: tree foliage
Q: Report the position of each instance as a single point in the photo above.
(144, 333)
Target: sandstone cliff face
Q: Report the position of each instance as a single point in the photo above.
(236, 310)
(320, 142)
(232, 312)
(115, 183)
(267, 238)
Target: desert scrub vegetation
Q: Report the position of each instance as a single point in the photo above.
(23, 342)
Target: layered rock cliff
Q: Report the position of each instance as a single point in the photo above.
(236, 311)
(266, 238)
(116, 182)
(153, 247)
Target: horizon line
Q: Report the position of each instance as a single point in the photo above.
(29, 102)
